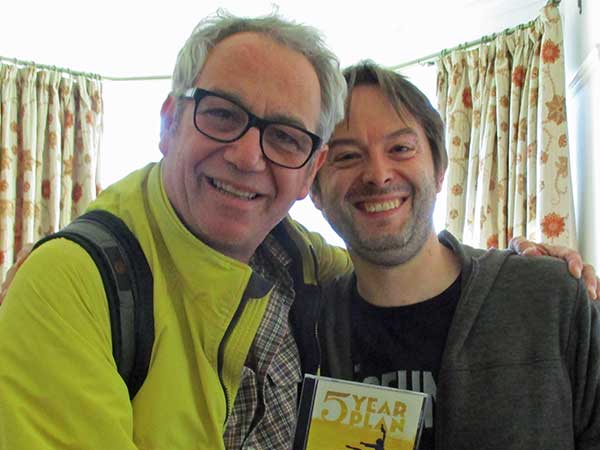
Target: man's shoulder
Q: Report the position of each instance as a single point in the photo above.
(539, 290)
(538, 270)
(58, 277)
(127, 190)
(58, 260)
(533, 270)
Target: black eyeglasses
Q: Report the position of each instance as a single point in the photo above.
(223, 120)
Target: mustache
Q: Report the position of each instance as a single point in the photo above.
(367, 190)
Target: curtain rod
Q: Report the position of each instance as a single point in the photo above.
(425, 60)
(430, 59)
(20, 62)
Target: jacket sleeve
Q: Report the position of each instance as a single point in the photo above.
(584, 354)
(58, 381)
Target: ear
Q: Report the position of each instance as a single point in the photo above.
(316, 199)
(167, 114)
(319, 160)
(439, 181)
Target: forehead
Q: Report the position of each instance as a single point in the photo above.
(371, 112)
(268, 77)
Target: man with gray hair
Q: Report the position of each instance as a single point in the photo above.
(243, 133)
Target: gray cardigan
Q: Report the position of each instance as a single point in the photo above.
(521, 366)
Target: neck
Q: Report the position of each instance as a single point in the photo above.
(431, 271)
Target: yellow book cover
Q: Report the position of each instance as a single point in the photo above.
(339, 415)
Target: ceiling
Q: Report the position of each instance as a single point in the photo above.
(138, 38)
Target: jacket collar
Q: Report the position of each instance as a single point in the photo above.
(479, 271)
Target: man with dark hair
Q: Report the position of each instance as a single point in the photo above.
(508, 346)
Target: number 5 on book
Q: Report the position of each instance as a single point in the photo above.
(336, 414)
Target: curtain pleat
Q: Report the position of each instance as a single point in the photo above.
(50, 131)
(506, 133)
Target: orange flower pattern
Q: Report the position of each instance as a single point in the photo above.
(550, 52)
(467, 98)
(519, 156)
(562, 141)
(518, 76)
(25, 198)
(457, 189)
(77, 192)
(69, 119)
(556, 109)
(533, 96)
(46, 189)
(553, 225)
(562, 167)
(492, 241)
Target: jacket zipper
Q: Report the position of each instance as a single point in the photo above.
(221, 355)
(318, 345)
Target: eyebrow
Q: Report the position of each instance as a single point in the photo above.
(350, 142)
(279, 118)
(406, 131)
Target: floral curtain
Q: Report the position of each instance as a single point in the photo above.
(506, 133)
(50, 128)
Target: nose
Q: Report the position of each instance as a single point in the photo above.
(378, 171)
(245, 153)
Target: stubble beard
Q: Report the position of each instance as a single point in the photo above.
(395, 248)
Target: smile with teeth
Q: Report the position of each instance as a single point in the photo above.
(230, 190)
(373, 207)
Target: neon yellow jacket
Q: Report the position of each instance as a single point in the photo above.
(59, 387)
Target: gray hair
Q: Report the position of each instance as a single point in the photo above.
(304, 39)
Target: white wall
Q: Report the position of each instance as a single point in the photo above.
(582, 66)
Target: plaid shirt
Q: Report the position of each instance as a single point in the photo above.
(272, 370)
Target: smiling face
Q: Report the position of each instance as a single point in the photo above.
(227, 194)
(377, 188)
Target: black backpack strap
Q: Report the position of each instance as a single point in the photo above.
(304, 312)
(128, 283)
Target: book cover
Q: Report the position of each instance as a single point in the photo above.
(339, 415)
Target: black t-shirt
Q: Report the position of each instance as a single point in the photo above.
(402, 346)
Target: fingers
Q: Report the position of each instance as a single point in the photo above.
(572, 257)
(591, 281)
(524, 247)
